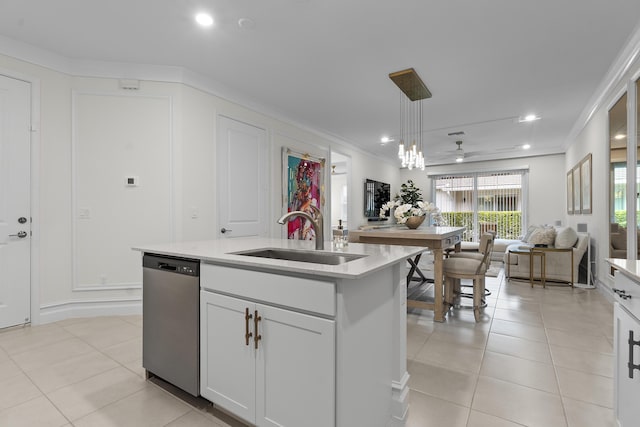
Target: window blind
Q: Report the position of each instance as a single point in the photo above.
(483, 201)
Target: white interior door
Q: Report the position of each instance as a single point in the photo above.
(15, 215)
(243, 181)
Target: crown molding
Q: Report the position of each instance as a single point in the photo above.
(160, 73)
(626, 59)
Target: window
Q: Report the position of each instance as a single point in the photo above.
(482, 202)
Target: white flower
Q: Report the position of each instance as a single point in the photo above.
(427, 207)
(389, 205)
(402, 211)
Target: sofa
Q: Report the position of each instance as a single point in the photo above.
(557, 263)
(618, 242)
(499, 247)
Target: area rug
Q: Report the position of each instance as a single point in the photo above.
(494, 269)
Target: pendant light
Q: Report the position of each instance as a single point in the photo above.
(413, 91)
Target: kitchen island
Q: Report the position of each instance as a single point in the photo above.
(302, 343)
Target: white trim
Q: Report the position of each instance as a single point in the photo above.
(400, 400)
(90, 308)
(111, 287)
(614, 76)
(614, 99)
(161, 73)
(34, 189)
(75, 287)
(632, 159)
(524, 168)
(34, 55)
(402, 384)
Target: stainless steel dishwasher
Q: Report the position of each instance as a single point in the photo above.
(171, 320)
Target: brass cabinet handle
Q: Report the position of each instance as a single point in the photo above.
(257, 336)
(247, 334)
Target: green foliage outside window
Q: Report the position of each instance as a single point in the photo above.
(507, 224)
(621, 218)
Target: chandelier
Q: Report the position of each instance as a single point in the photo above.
(413, 91)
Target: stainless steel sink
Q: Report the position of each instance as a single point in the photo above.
(314, 257)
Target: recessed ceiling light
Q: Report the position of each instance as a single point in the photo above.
(459, 159)
(385, 139)
(620, 136)
(529, 118)
(526, 146)
(204, 19)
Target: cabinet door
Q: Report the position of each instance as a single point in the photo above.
(627, 389)
(295, 369)
(227, 365)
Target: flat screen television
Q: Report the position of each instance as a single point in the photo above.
(376, 194)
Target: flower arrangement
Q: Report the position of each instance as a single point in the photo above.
(408, 203)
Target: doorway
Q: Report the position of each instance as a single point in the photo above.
(340, 173)
(15, 202)
(243, 177)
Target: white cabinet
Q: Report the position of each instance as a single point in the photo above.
(627, 372)
(268, 365)
(626, 330)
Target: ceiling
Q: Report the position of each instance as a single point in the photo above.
(324, 64)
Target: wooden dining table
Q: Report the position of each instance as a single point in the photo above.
(437, 239)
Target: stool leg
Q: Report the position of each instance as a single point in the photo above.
(478, 292)
(448, 290)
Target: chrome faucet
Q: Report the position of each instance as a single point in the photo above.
(317, 223)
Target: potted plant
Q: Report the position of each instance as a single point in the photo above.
(409, 207)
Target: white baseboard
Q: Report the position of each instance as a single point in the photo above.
(73, 309)
(605, 291)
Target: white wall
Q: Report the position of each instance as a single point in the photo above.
(592, 136)
(546, 200)
(188, 183)
(594, 139)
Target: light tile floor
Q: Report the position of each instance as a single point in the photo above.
(539, 357)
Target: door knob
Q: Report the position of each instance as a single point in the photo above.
(224, 230)
(21, 234)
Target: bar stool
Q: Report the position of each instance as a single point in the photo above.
(474, 268)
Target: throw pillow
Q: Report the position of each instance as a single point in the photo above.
(543, 236)
(530, 230)
(618, 241)
(566, 237)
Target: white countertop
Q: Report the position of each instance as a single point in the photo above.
(220, 252)
(629, 267)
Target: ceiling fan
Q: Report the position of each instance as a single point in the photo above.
(458, 154)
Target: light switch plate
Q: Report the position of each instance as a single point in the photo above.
(84, 213)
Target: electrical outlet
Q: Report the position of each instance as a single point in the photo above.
(131, 181)
(194, 212)
(84, 213)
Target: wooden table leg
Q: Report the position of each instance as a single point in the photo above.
(438, 289)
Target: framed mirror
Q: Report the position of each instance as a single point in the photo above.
(618, 179)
